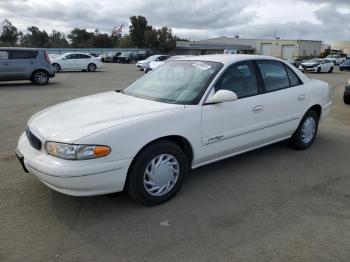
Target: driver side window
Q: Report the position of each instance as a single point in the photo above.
(240, 78)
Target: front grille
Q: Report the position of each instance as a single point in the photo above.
(33, 140)
(304, 66)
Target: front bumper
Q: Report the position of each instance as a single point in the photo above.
(308, 69)
(76, 178)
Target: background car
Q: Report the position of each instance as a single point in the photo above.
(345, 66)
(336, 59)
(76, 61)
(25, 64)
(295, 61)
(126, 57)
(144, 64)
(154, 64)
(112, 57)
(347, 93)
(317, 65)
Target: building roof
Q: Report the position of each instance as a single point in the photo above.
(214, 46)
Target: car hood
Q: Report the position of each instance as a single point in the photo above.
(310, 63)
(72, 120)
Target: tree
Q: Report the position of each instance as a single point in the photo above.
(166, 39)
(151, 38)
(137, 30)
(125, 42)
(35, 38)
(58, 40)
(102, 40)
(80, 38)
(8, 34)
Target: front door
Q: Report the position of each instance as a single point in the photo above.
(231, 127)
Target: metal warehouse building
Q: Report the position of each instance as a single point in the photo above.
(288, 48)
(275, 47)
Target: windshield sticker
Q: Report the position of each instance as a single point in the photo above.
(201, 66)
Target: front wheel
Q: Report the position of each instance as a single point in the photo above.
(157, 173)
(319, 70)
(306, 133)
(347, 98)
(330, 70)
(91, 68)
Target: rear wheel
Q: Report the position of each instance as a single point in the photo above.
(157, 173)
(306, 133)
(319, 70)
(331, 70)
(40, 77)
(91, 67)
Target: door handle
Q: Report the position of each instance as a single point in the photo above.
(257, 109)
(301, 97)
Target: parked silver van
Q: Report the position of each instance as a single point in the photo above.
(25, 64)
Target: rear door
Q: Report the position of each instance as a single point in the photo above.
(82, 61)
(285, 96)
(22, 63)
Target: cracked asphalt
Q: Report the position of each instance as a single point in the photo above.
(272, 204)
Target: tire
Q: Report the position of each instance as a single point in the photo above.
(303, 139)
(40, 77)
(331, 70)
(340, 69)
(140, 174)
(318, 70)
(347, 98)
(91, 67)
(56, 67)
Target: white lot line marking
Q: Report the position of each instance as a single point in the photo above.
(165, 223)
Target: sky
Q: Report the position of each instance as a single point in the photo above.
(326, 20)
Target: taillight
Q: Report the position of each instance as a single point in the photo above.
(47, 58)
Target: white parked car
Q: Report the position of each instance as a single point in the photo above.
(317, 65)
(154, 64)
(76, 61)
(144, 64)
(336, 59)
(186, 114)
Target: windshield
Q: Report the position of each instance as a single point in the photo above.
(178, 82)
(332, 56)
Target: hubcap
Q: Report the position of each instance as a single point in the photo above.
(92, 68)
(161, 175)
(308, 130)
(40, 77)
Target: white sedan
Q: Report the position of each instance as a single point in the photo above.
(144, 64)
(186, 114)
(154, 64)
(76, 61)
(317, 65)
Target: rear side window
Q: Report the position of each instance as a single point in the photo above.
(293, 78)
(22, 54)
(4, 55)
(274, 75)
(82, 56)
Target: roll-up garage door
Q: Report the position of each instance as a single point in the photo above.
(287, 51)
(266, 49)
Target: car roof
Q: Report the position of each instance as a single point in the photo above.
(229, 58)
(21, 48)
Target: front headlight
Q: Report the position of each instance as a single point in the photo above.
(76, 152)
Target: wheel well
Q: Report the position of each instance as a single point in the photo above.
(317, 109)
(182, 142)
(56, 64)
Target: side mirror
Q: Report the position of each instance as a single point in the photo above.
(222, 96)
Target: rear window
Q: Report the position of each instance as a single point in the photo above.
(293, 78)
(21, 54)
